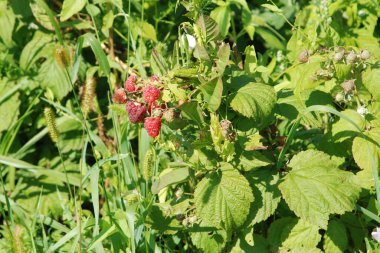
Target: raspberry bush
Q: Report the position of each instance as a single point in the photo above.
(189, 126)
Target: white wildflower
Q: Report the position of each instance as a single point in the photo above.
(191, 41)
(32, 26)
(376, 234)
(361, 13)
(361, 110)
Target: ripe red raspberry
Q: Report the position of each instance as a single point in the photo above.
(136, 111)
(130, 84)
(132, 78)
(152, 126)
(154, 78)
(151, 93)
(119, 96)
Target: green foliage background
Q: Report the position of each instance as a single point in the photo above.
(296, 172)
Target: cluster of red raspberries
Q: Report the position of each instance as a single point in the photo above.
(142, 108)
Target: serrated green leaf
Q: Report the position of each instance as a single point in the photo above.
(35, 49)
(292, 233)
(212, 92)
(264, 183)
(291, 105)
(370, 78)
(209, 239)
(159, 221)
(252, 160)
(360, 151)
(316, 187)
(256, 101)
(335, 240)
(71, 7)
(259, 244)
(191, 110)
(223, 198)
(52, 76)
(342, 131)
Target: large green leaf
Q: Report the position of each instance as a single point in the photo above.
(71, 7)
(258, 244)
(361, 153)
(316, 187)
(335, 240)
(256, 101)
(370, 78)
(212, 92)
(52, 76)
(191, 110)
(223, 198)
(292, 233)
(209, 239)
(342, 131)
(266, 194)
(35, 49)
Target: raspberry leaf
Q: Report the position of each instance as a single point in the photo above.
(255, 100)
(223, 198)
(360, 150)
(316, 187)
(209, 242)
(370, 79)
(212, 92)
(335, 238)
(264, 183)
(292, 233)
